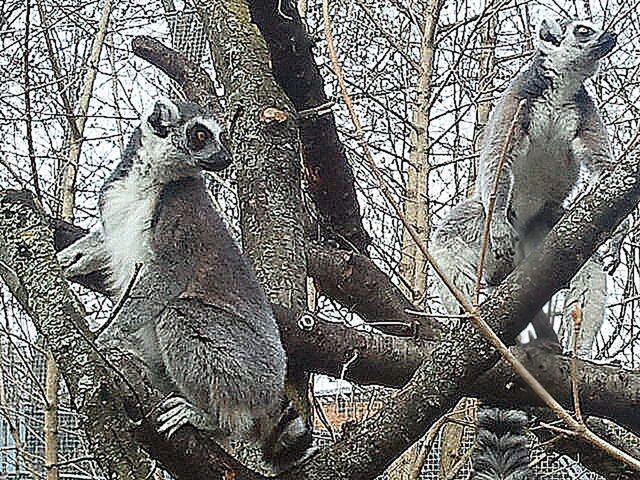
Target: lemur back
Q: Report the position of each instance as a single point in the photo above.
(196, 314)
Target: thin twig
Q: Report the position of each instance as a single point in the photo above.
(27, 105)
(70, 169)
(576, 315)
(426, 447)
(123, 298)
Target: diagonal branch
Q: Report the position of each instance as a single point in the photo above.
(330, 177)
(195, 82)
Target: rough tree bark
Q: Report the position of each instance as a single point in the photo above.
(456, 363)
(266, 150)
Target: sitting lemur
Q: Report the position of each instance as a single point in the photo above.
(196, 314)
(556, 131)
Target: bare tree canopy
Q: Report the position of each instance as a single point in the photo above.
(354, 127)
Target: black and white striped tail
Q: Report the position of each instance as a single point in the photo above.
(502, 449)
(290, 442)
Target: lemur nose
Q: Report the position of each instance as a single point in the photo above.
(218, 161)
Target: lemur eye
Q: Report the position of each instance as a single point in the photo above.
(584, 31)
(199, 135)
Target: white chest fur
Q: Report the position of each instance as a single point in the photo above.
(127, 214)
(548, 172)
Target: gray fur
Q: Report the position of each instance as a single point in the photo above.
(558, 133)
(502, 448)
(196, 314)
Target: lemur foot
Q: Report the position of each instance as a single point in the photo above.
(178, 413)
(503, 239)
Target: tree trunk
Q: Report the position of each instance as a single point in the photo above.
(413, 264)
(487, 61)
(70, 169)
(51, 420)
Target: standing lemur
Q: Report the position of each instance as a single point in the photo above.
(196, 314)
(558, 132)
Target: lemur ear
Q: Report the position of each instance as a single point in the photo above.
(549, 35)
(165, 114)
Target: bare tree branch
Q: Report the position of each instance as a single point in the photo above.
(330, 177)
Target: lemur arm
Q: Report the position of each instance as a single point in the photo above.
(592, 150)
(507, 124)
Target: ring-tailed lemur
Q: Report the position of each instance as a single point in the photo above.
(558, 132)
(196, 314)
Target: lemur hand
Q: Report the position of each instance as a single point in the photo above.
(611, 256)
(83, 257)
(502, 239)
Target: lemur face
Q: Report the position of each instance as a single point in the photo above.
(574, 46)
(184, 137)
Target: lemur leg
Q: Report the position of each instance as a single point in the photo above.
(456, 247)
(85, 256)
(232, 398)
(593, 150)
(588, 289)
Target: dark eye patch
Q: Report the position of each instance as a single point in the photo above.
(199, 136)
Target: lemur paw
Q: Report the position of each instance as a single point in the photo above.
(178, 413)
(72, 261)
(611, 257)
(503, 239)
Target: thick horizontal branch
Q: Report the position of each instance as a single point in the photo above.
(606, 391)
(358, 284)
